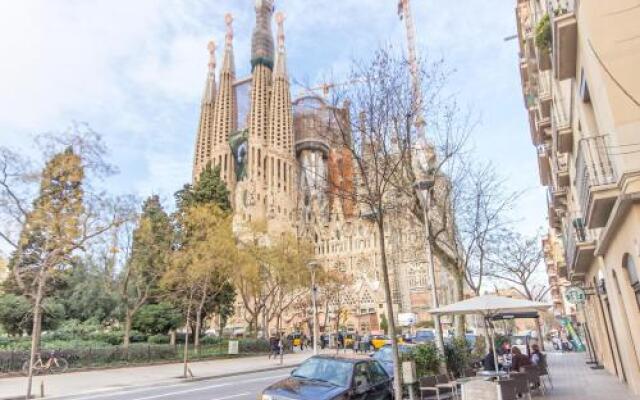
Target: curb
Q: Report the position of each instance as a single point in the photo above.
(185, 381)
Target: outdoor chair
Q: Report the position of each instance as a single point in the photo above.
(543, 369)
(444, 381)
(508, 389)
(429, 389)
(533, 374)
(522, 387)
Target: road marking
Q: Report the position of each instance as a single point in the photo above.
(123, 392)
(232, 396)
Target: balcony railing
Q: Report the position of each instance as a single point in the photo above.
(560, 7)
(544, 85)
(564, 27)
(579, 244)
(593, 168)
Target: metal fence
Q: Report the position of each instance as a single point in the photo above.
(96, 357)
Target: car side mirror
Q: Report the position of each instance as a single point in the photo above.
(293, 371)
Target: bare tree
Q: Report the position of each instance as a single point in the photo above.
(372, 117)
(52, 213)
(520, 264)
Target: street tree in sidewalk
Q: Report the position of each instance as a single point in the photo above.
(290, 276)
(519, 263)
(48, 226)
(149, 259)
(201, 263)
(370, 117)
(211, 249)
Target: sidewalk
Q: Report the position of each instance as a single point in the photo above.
(574, 380)
(102, 380)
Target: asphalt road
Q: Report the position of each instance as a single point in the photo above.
(242, 387)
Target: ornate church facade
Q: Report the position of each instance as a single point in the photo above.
(286, 166)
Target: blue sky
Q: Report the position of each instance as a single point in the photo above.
(134, 70)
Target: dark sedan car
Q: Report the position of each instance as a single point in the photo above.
(333, 378)
(385, 357)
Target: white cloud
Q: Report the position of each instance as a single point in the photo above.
(134, 70)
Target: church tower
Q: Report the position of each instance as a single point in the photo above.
(281, 171)
(253, 193)
(204, 139)
(226, 111)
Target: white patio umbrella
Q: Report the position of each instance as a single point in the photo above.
(489, 306)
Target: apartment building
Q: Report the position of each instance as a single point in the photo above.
(580, 70)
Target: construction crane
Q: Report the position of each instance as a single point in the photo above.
(404, 12)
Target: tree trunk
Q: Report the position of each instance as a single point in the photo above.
(397, 382)
(326, 315)
(35, 332)
(172, 337)
(196, 333)
(540, 338)
(196, 336)
(459, 325)
(186, 338)
(127, 329)
(254, 324)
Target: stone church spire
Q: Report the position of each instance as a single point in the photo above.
(226, 109)
(281, 116)
(282, 172)
(204, 138)
(262, 65)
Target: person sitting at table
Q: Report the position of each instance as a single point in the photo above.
(488, 362)
(518, 360)
(536, 355)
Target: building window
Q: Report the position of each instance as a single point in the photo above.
(632, 274)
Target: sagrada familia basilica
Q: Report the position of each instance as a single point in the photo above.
(286, 163)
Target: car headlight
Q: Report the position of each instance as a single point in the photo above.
(266, 397)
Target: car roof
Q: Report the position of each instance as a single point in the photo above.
(344, 358)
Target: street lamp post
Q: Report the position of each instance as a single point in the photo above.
(312, 266)
(424, 188)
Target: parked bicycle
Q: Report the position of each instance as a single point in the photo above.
(54, 364)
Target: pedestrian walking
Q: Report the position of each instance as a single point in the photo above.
(356, 343)
(273, 346)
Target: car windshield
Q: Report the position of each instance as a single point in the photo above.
(425, 335)
(384, 354)
(335, 372)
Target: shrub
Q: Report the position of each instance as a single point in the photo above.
(15, 311)
(156, 319)
(457, 355)
(543, 34)
(111, 337)
(426, 358)
(253, 346)
(210, 340)
(158, 339)
(137, 337)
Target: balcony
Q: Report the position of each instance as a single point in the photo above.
(555, 221)
(544, 168)
(544, 93)
(561, 170)
(558, 197)
(595, 181)
(562, 115)
(580, 245)
(565, 37)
